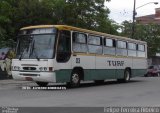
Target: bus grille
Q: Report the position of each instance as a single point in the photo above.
(29, 68)
(29, 74)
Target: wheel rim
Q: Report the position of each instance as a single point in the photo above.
(127, 76)
(75, 78)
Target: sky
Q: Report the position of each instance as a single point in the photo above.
(121, 10)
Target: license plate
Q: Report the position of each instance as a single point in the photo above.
(28, 78)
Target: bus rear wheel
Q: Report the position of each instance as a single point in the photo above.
(42, 84)
(127, 76)
(75, 79)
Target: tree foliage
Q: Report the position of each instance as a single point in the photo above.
(89, 14)
(149, 33)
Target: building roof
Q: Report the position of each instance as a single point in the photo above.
(152, 18)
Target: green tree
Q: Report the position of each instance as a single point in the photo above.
(126, 27)
(149, 33)
(15, 14)
(89, 14)
(5, 9)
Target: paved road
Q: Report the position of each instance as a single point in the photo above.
(141, 91)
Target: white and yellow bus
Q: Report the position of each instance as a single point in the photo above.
(61, 53)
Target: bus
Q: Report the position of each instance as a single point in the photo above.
(66, 54)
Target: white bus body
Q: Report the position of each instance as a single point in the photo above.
(83, 59)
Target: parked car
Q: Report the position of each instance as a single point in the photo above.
(153, 70)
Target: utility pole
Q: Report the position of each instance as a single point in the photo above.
(135, 13)
(133, 23)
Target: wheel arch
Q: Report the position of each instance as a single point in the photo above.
(81, 70)
(128, 68)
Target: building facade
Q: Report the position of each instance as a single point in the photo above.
(149, 19)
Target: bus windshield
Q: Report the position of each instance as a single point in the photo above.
(36, 46)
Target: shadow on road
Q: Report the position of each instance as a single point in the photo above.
(84, 85)
(59, 87)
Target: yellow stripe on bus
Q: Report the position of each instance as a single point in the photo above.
(71, 28)
(113, 56)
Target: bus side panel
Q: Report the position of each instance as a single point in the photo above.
(104, 69)
(139, 67)
(63, 71)
(87, 63)
(121, 65)
(63, 75)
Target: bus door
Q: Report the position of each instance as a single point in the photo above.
(63, 56)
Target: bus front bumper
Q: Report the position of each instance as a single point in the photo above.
(34, 76)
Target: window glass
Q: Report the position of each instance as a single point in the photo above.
(109, 50)
(121, 52)
(141, 47)
(79, 37)
(132, 46)
(94, 43)
(79, 47)
(141, 54)
(39, 46)
(122, 44)
(38, 31)
(95, 49)
(95, 40)
(109, 42)
(132, 53)
(79, 42)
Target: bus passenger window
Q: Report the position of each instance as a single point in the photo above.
(109, 46)
(94, 44)
(79, 42)
(132, 49)
(64, 47)
(109, 42)
(141, 50)
(121, 48)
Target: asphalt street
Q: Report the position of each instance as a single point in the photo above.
(141, 91)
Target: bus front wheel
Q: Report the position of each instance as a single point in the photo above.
(42, 84)
(75, 79)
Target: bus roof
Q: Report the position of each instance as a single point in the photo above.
(66, 27)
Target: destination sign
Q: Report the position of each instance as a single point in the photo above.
(38, 31)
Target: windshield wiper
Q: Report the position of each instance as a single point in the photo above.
(33, 51)
(21, 55)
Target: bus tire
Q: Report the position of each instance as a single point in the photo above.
(75, 79)
(42, 84)
(127, 76)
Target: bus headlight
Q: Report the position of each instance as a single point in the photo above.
(43, 68)
(16, 68)
(46, 68)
